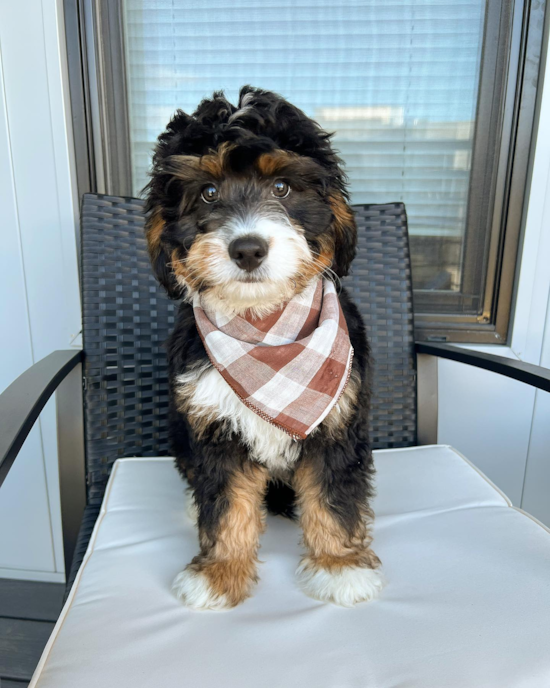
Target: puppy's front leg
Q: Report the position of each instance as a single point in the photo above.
(231, 518)
(339, 566)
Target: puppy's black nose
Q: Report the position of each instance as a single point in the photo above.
(248, 251)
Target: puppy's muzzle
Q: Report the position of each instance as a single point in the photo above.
(248, 252)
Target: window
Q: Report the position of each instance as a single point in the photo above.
(424, 98)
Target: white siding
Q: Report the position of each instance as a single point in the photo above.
(487, 417)
(39, 285)
(532, 332)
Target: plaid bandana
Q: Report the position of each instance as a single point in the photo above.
(290, 367)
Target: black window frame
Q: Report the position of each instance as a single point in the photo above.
(511, 58)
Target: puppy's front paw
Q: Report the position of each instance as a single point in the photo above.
(194, 589)
(343, 585)
(214, 585)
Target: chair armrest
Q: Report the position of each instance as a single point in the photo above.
(428, 352)
(22, 402)
(533, 375)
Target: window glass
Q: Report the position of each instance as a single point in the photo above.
(397, 82)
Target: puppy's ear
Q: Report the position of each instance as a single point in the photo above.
(160, 203)
(345, 233)
(160, 255)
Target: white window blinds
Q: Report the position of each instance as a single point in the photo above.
(396, 80)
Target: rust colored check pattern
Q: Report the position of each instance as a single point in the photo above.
(290, 367)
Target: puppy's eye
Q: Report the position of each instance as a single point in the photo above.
(280, 189)
(210, 193)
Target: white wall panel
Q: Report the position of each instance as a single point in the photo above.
(487, 417)
(41, 175)
(534, 275)
(68, 208)
(25, 532)
(531, 336)
(536, 491)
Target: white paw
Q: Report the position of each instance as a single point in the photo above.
(193, 589)
(346, 587)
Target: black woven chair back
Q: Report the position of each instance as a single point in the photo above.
(127, 318)
(380, 283)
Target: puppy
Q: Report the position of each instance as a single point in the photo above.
(250, 226)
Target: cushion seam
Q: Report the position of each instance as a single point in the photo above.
(531, 517)
(483, 476)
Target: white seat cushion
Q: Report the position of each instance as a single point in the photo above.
(467, 602)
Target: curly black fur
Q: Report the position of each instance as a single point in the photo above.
(268, 122)
(265, 122)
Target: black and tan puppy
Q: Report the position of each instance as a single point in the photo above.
(248, 209)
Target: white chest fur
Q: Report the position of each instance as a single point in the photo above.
(207, 395)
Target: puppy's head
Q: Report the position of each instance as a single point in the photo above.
(246, 204)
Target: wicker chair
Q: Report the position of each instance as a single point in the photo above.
(127, 318)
